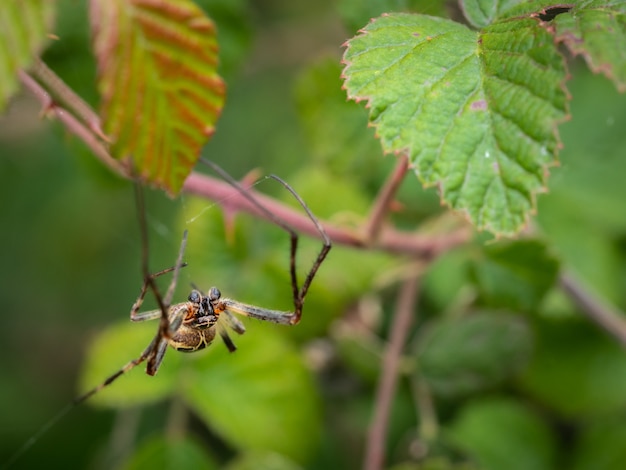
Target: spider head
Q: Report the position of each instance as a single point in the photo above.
(204, 315)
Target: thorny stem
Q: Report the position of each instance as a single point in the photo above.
(376, 437)
(384, 199)
(598, 311)
(72, 124)
(390, 239)
(67, 99)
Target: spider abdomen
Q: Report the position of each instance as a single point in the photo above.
(189, 339)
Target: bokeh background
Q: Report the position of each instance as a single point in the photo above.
(70, 270)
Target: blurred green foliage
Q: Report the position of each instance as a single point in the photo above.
(517, 377)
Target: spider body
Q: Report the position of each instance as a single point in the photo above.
(193, 324)
(197, 329)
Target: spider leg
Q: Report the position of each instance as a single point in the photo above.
(252, 311)
(227, 341)
(134, 311)
(298, 292)
(157, 354)
(145, 316)
(234, 323)
(158, 346)
(113, 377)
(149, 279)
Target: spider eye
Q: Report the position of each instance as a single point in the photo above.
(194, 296)
(214, 293)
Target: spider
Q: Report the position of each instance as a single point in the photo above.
(192, 325)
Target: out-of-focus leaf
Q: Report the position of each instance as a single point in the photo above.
(234, 31)
(472, 353)
(336, 129)
(514, 275)
(161, 94)
(161, 453)
(261, 397)
(110, 351)
(601, 446)
(356, 13)
(481, 13)
(582, 215)
(435, 463)
(361, 351)
(445, 278)
(501, 433)
(24, 25)
(584, 248)
(596, 30)
(476, 112)
(576, 369)
(262, 461)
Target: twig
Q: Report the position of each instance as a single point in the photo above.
(390, 240)
(80, 130)
(383, 200)
(606, 316)
(405, 309)
(67, 99)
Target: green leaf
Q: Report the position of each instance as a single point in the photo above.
(336, 129)
(235, 32)
(434, 463)
(472, 353)
(596, 30)
(262, 397)
(445, 281)
(360, 350)
(600, 446)
(475, 112)
(159, 453)
(24, 25)
(161, 94)
(262, 461)
(583, 216)
(503, 434)
(514, 275)
(110, 351)
(355, 13)
(481, 13)
(576, 369)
